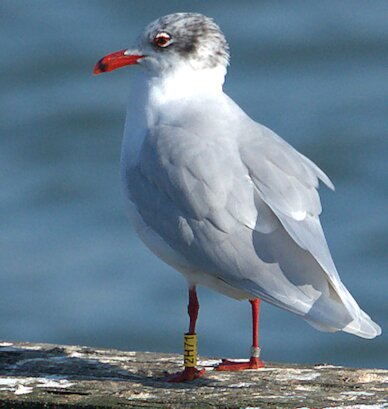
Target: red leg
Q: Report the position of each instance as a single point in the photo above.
(192, 309)
(190, 373)
(254, 362)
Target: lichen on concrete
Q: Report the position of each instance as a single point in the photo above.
(42, 375)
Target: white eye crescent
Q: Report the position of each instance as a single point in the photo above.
(162, 40)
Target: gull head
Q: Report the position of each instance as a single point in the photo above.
(168, 44)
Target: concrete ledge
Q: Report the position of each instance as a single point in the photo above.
(58, 376)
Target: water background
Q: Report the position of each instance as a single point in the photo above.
(72, 269)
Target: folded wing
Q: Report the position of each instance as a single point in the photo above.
(287, 182)
(241, 206)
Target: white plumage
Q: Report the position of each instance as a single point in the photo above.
(221, 198)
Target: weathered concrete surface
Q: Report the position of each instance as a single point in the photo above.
(56, 376)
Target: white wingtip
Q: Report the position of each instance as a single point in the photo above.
(364, 328)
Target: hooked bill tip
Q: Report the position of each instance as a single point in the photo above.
(100, 67)
(116, 60)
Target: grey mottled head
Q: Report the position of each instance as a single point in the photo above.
(189, 37)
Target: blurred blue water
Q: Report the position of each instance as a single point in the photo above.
(71, 267)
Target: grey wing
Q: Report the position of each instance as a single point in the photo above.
(245, 211)
(287, 182)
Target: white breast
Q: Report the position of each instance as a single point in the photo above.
(151, 102)
(136, 128)
(135, 123)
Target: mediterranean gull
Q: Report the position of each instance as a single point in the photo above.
(219, 197)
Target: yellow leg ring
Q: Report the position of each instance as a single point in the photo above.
(190, 350)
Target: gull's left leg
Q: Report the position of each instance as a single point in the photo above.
(255, 362)
(190, 350)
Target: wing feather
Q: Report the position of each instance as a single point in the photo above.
(242, 207)
(288, 181)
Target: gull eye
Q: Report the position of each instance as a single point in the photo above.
(162, 40)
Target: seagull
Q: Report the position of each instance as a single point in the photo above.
(219, 197)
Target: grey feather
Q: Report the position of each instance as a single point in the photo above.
(222, 198)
